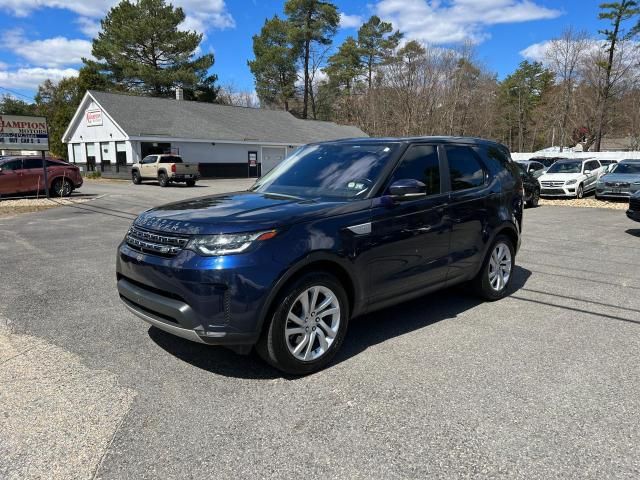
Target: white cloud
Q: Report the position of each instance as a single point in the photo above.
(537, 51)
(626, 50)
(350, 21)
(457, 21)
(51, 52)
(30, 78)
(88, 8)
(89, 26)
(205, 14)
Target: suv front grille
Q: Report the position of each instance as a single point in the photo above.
(617, 184)
(157, 243)
(549, 183)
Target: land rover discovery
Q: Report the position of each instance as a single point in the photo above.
(337, 230)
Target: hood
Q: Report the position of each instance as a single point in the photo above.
(621, 177)
(238, 212)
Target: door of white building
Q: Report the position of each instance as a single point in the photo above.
(272, 156)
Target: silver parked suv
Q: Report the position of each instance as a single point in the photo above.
(622, 181)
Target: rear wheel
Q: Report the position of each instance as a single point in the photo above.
(163, 180)
(493, 280)
(191, 183)
(308, 325)
(135, 177)
(62, 187)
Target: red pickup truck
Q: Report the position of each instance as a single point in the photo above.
(21, 175)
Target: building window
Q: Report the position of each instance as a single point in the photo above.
(77, 152)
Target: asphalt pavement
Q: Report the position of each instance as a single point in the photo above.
(542, 384)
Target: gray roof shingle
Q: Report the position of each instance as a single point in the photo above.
(149, 116)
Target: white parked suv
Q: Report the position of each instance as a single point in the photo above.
(570, 178)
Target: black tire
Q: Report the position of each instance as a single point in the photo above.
(163, 180)
(191, 183)
(481, 283)
(580, 192)
(61, 187)
(535, 199)
(135, 177)
(273, 344)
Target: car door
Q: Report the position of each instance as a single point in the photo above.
(147, 169)
(410, 237)
(469, 206)
(32, 174)
(591, 177)
(10, 177)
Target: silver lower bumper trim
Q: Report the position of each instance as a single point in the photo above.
(177, 331)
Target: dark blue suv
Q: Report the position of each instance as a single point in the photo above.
(336, 230)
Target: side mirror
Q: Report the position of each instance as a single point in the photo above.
(407, 189)
(587, 172)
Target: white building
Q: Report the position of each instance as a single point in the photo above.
(109, 132)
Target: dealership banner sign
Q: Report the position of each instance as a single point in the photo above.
(94, 117)
(18, 132)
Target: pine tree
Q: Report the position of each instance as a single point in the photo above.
(310, 21)
(376, 40)
(617, 13)
(141, 49)
(344, 67)
(274, 66)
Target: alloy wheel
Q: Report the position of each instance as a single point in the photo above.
(500, 267)
(63, 188)
(312, 323)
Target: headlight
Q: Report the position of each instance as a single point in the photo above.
(570, 182)
(227, 244)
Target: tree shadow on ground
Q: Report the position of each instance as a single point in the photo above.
(364, 332)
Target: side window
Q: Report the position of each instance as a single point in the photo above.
(12, 165)
(32, 163)
(420, 162)
(465, 168)
(149, 159)
(538, 166)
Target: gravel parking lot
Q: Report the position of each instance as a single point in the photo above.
(543, 384)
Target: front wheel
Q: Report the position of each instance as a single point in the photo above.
(580, 191)
(308, 325)
(135, 177)
(62, 187)
(163, 180)
(493, 280)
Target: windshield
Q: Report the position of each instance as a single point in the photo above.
(341, 171)
(627, 168)
(565, 167)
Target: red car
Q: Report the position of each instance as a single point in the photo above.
(20, 175)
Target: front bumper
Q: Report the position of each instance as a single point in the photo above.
(212, 300)
(558, 190)
(622, 192)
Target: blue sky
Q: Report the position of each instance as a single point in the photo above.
(46, 38)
